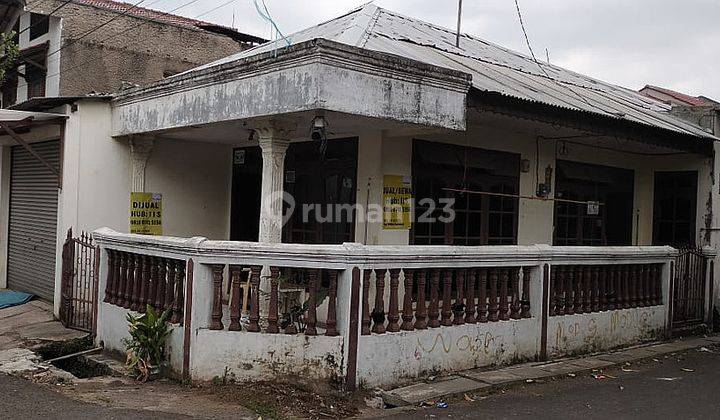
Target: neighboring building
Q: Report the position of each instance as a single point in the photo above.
(65, 54)
(699, 110)
(571, 186)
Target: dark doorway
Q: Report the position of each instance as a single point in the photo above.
(480, 219)
(675, 208)
(327, 183)
(246, 184)
(609, 223)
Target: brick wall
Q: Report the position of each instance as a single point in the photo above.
(137, 55)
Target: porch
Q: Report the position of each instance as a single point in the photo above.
(379, 315)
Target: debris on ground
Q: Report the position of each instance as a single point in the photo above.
(442, 404)
(667, 379)
(291, 398)
(624, 369)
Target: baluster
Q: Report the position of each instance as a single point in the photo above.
(494, 308)
(407, 316)
(117, 290)
(561, 301)
(331, 324)
(640, 285)
(657, 279)
(626, 286)
(393, 314)
(130, 281)
(470, 297)
(515, 303)
(311, 324)
(616, 282)
(378, 314)
(170, 287)
(610, 290)
(595, 292)
(177, 307)
(145, 283)
(602, 287)
(137, 284)
(504, 278)
(586, 290)
(152, 288)
(634, 286)
(553, 305)
(365, 304)
(272, 319)
(647, 282)
(434, 311)
(110, 284)
(420, 309)
(579, 280)
(217, 271)
(525, 312)
(459, 308)
(482, 296)
(446, 313)
(160, 296)
(569, 289)
(254, 318)
(235, 286)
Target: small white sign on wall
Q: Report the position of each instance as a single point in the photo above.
(593, 208)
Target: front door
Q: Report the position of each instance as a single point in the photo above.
(675, 207)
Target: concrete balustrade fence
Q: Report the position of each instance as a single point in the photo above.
(378, 315)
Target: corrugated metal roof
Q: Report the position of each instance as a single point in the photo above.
(493, 68)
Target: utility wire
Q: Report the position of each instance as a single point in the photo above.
(126, 31)
(265, 14)
(46, 18)
(98, 27)
(532, 53)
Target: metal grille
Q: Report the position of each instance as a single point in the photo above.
(33, 220)
(689, 288)
(79, 282)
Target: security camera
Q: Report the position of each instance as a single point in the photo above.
(318, 130)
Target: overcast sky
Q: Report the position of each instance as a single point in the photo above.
(671, 43)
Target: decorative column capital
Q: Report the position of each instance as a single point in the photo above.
(140, 149)
(276, 131)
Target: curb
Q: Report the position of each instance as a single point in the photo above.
(486, 381)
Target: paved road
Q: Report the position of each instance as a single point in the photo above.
(21, 399)
(658, 390)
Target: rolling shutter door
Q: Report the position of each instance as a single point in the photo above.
(33, 220)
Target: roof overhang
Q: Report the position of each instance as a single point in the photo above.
(313, 75)
(591, 122)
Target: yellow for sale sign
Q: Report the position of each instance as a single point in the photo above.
(146, 213)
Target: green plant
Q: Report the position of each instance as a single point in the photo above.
(9, 53)
(146, 346)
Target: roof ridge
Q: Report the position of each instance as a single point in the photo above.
(358, 31)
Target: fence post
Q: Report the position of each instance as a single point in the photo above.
(348, 321)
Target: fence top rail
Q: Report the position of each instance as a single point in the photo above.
(206, 251)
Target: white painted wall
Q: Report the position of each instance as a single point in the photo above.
(52, 82)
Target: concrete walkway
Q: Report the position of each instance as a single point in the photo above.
(484, 380)
(25, 327)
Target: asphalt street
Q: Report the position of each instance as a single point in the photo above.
(684, 386)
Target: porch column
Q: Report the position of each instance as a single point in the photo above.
(140, 149)
(274, 142)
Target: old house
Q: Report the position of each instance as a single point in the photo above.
(70, 50)
(699, 110)
(525, 211)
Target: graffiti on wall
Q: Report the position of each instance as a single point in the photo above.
(483, 343)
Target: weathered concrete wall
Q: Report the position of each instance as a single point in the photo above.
(313, 75)
(127, 49)
(391, 358)
(588, 333)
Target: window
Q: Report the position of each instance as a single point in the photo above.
(487, 214)
(39, 25)
(576, 223)
(35, 78)
(675, 207)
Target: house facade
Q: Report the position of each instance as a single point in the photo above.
(371, 166)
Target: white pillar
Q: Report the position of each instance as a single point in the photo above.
(274, 143)
(140, 150)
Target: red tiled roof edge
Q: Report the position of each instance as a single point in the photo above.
(691, 100)
(142, 12)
